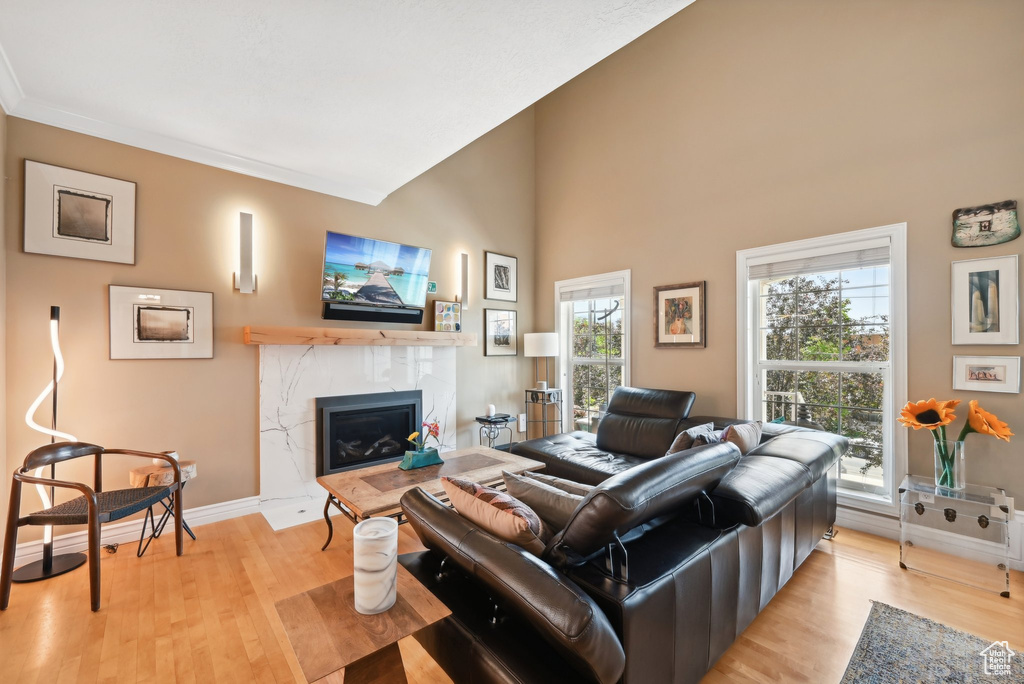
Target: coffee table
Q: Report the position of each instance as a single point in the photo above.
(327, 633)
(375, 491)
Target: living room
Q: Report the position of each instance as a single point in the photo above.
(674, 164)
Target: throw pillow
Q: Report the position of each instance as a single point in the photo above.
(744, 435)
(500, 514)
(558, 483)
(703, 438)
(553, 505)
(684, 440)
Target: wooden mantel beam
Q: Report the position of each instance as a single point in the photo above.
(263, 334)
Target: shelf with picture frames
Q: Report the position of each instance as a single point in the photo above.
(262, 334)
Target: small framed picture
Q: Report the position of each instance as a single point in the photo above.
(76, 214)
(148, 323)
(500, 277)
(680, 320)
(447, 316)
(985, 301)
(500, 336)
(987, 373)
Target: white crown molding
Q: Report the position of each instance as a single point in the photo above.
(127, 533)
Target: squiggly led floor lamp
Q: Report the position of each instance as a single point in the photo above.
(50, 565)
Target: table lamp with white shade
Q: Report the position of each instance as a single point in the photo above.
(541, 346)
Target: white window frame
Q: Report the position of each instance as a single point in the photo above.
(563, 326)
(747, 362)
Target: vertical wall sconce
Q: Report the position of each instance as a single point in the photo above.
(464, 287)
(245, 279)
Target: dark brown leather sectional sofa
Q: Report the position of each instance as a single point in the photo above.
(660, 568)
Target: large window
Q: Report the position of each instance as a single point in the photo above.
(593, 325)
(821, 349)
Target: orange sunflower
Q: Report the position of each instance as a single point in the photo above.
(929, 414)
(980, 420)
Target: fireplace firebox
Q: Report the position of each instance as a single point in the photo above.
(359, 430)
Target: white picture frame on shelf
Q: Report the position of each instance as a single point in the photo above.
(151, 323)
(501, 277)
(987, 373)
(80, 215)
(985, 306)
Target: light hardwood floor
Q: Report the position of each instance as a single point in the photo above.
(209, 615)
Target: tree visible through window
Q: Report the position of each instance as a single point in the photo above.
(597, 358)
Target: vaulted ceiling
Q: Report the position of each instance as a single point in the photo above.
(352, 98)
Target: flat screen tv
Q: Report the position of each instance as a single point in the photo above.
(373, 273)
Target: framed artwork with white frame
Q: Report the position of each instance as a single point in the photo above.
(501, 277)
(500, 334)
(77, 214)
(150, 323)
(985, 301)
(987, 373)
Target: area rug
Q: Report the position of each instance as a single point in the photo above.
(897, 646)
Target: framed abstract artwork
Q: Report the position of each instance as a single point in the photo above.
(501, 277)
(447, 316)
(76, 214)
(500, 335)
(679, 319)
(985, 301)
(149, 323)
(987, 373)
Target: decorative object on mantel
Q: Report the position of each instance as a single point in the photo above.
(985, 301)
(989, 224)
(447, 316)
(76, 214)
(50, 565)
(375, 565)
(679, 319)
(987, 373)
(147, 323)
(500, 336)
(950, 456)
(259, 334)
(423, 456)
(541, 346)
(501, 277)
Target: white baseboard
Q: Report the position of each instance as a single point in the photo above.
(889, 527)
(129, 531)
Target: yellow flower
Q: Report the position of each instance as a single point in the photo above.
(929, 414)
(413, 436)
(986, 423)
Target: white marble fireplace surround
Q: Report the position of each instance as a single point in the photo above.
(293, 376)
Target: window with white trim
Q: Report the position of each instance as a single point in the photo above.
(593, 325)
(824, 347)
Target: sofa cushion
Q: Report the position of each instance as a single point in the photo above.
(684, 440)
(558, 483)
(756, 489)
(643, 422)
(815, 450)
(498, 513)
(575, 456)
(553, 505)
(639, 495)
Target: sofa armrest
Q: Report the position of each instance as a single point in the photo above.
(558, 609)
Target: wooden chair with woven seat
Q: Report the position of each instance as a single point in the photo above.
(92, 508)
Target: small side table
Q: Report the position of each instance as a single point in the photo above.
(161, 476)
(935, 519)
(546, 411)
(491, 428)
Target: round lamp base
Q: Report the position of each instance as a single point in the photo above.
(33, 572)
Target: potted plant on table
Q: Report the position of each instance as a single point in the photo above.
(423, 455)
(950, 455)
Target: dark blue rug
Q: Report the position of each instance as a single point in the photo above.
(897, 646)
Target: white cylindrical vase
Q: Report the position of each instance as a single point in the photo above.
(375, 557)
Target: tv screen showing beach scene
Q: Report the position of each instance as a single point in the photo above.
(366, 271)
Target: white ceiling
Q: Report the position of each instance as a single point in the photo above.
(352, 98)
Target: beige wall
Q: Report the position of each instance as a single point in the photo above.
(4, 475)
(480, 198)
(740, 123)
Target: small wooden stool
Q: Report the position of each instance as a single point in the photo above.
(160, 476)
